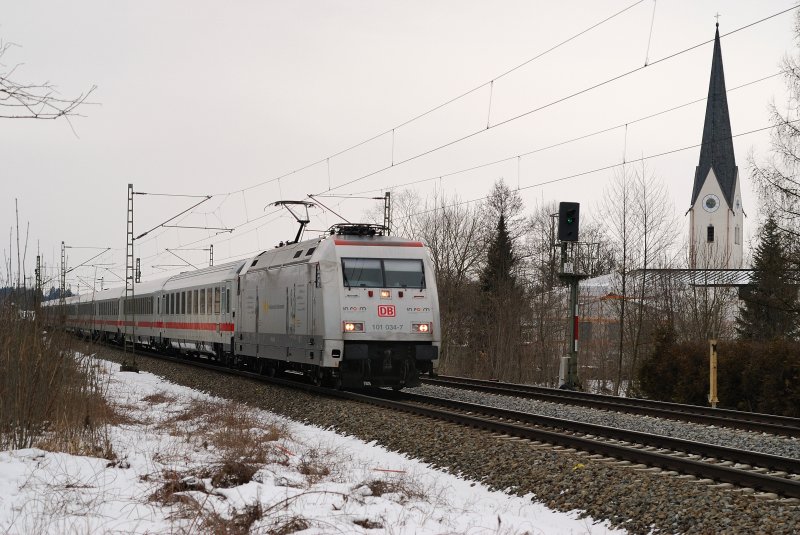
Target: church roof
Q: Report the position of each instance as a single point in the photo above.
(716, 151)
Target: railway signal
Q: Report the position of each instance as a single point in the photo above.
(568, 221)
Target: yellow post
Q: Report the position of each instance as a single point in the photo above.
(712, 393)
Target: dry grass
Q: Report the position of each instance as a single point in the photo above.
(174, 484)
(243, 444)
(288, 525)
(159, 398)
(49, 398)
(401, 486)
(239, 522)
(368, 524)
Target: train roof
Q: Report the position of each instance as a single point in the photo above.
(350, 234)
(204, 277)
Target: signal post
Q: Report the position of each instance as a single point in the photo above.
(568, 225)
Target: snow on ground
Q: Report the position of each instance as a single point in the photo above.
(169, 457)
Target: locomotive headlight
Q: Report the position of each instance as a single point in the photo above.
(421, 327)
(353, 327)
(386, 294)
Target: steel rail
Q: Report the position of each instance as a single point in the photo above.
(773, 462)
(743, 478)
(764, 423)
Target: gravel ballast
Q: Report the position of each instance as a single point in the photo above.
(641, 501)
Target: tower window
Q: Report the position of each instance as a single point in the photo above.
(710, 235)
(737, 235)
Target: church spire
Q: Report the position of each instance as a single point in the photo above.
(717, 150)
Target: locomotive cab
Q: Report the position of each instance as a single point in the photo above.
(385, 294)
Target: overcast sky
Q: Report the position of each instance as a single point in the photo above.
(218, 97)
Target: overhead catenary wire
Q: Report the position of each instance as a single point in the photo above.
(238, 228)
(598, 169)
(227, 195)
(446, 103)
(564, 142)
(554, 102)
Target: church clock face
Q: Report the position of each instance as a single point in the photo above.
(710, 203)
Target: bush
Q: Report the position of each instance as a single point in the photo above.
(49, 396)
(758, 376)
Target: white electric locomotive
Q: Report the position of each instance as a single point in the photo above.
(352, 308)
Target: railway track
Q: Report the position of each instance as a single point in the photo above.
(734, 467)
(765, 423)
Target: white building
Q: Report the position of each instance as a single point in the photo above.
(716, 214)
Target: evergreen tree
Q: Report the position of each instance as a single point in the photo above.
(770, 300)
(498, 274)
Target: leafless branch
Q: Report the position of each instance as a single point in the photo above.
(34, 100)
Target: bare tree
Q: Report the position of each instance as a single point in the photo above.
(643, 229)
(616, 210)
(777, 176)
(21, 100)
(455, 233)
(657, 231)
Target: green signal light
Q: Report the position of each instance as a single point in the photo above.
(570, 220)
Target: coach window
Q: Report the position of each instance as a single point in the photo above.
(224, 300)
(202, 300)
(209, 300)
(194, 300)
(216, 300)
(183, 302)
(228, 307)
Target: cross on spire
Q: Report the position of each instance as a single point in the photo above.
(717, 16)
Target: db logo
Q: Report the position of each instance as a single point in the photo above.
(386, 311)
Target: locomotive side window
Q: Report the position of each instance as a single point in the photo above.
(404, 273)
(383, 273)
(362, 272)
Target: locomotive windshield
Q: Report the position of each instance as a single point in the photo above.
(382, 273)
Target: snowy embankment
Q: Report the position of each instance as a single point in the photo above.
(187, 462)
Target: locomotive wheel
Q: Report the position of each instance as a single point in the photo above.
(316, 377)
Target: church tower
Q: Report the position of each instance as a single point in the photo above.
(716, 216)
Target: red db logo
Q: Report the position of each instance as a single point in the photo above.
(386, 311)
